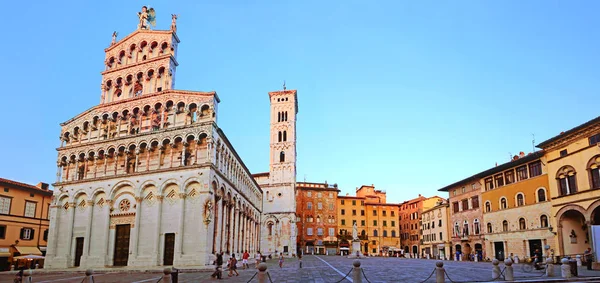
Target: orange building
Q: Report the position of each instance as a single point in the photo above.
(317, 212)
(23, 221)
(410, 222)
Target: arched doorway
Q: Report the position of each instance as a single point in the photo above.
(415, 250)
(479, 252)
(458, 250)
(573, 232)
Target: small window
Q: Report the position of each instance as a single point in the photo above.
(375, 233)
(3, 231)
(27, 234)
(362, 223)
(522, 173)
(343, 222)
(46, 235)
(5, 205)
(563, 153)
(522, 224)
(535, 169)
(342, 202)
(309, 231)
(383, 213)
(544, 221)
(520, 200)
(489, 228)
(489, 184)
(354, 212)
(282, 156)
(6, 190)
(319, 195)
(541, 194)
(319, 231)
(343, 212)
(30, 209)
(309, 206)
(504, 226)
(309, 194)
(499, 180)
(319, 205)
(353, 202)
(374, 212)
(503, 204)
(594, 139)
(362, 212)
(509, 177)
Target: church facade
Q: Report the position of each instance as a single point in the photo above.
(147, 178)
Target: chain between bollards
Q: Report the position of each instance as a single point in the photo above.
(345, 276)
(432, 272)
(252, 277)
(363, 272)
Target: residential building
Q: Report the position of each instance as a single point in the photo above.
(411, 223)
(466, 218)
(377, 221)
(436, 231)
(23, 221)
(573, 162)
(516, 208)
(144, 163)
(316, 208)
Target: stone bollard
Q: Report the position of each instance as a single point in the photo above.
(12, 267)
(166, 277)
(439, 272)
(428, 256)
(356, 272)
(565, 269)
(262, 273)
(89, 276)
(578, 257)
(509, 274)
(549, 267)
(495, 269)
(27, 276)
(460, 257)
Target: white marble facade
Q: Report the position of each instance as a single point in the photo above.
(147, 178)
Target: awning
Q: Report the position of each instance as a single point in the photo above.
(28, 250)
(344, 249)
(5, 252)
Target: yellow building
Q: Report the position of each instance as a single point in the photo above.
(376, 220)
(23, 221)
(516, 206)
(573, 161)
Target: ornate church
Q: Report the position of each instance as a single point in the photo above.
(147, 177)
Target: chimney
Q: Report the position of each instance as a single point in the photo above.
(515, 157)
(42, 186)
(521, 154)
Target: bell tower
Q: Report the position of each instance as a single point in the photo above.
(279, 190)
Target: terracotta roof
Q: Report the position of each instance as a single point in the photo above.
(22, 185)
(496, 169)
(569, 132)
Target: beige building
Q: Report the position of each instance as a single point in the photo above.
(516, 206)
(436, 231)
(573, 164)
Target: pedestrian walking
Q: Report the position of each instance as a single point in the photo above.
(258, 256)
(588, 258)
(218, 274)
(245, 257)
(232, 266)
(280, 260)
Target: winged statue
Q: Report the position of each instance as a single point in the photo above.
(147, 17)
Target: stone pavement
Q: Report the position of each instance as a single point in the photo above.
(315, 269)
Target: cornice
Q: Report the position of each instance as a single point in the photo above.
(145, 62)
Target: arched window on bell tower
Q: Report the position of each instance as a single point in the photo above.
(284, 135)
(279, 134)
(282, 156)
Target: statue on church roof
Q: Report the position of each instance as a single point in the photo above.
(114, 38)
(174, 22)
(147, 17)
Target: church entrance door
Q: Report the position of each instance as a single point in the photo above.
(121, 245)
(169, 249)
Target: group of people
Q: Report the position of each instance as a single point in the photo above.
(232, 263)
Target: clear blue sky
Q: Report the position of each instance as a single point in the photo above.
(409, 96)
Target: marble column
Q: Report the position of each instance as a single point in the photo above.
(58, 171)
(72, 208)
(88, 230)
(233, 227)
(157, 234)
(137, 224)
(180, 238)
(96, 165)
(76, 175)
(137, 154)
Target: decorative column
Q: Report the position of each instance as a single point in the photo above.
(137, 225)
(135, 166)
(230, 230)
(180, 236)
(105, 164)
(173, 146)
(58, 171)
(162, 119)
(148, 159)
(88, 230)
(196, 147)
(109, 204)
(157, 233)
(233, 244)
(160, 152)
(183, 145)
(126, 153)
(223, 223)
(76, 175)
(96, 165)
(116, 161)
(85, 166)
(237, 228)
(70, 232)
(216, 223)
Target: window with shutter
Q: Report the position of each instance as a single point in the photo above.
(30, 209)
(27, 233)
(5, 205)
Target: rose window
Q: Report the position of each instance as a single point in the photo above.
(124, 205)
